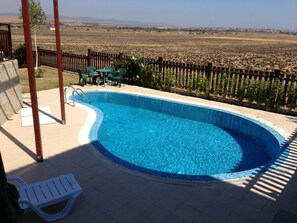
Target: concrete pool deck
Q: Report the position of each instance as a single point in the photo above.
(113, 193)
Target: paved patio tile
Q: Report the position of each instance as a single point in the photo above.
(198, 202)
(225, 201)
(139, 205)
(236, 218)
(255, 201)
(246, 212)
(156, 214)
(169, 203)
(203, 217)
(180, 193)
(187, 213)
(236, 193)
(125, 214)
(218, 211)
(116, 194)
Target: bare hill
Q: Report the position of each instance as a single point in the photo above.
(9, 19)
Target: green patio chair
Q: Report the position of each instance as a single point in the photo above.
(92, 75)
(82, 78)
(118, 76)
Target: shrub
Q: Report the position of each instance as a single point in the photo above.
(260, 94)
(169, 78)
(39, 72)
(240, 95)
(20, 54)
(225, 82)
(148, 76)
(292, 97)
(202, 86)
(274, 95)
(252, 91)
(132, 65)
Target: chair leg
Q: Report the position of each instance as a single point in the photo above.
(53, 217)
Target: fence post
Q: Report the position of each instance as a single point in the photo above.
(208, 70)
(160, 61)
(89, 57)
(279, 76)
(9, 40)
(63, 65)
(39, 57)
(277, 73)
(275, 76)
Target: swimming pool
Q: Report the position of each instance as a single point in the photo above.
(180, 140)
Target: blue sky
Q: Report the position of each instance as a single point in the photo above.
(201, 13)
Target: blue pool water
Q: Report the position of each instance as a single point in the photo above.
(179, 140)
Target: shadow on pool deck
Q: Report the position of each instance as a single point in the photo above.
(279, 184)
(113, 193)
(287, 164)
(18, 143)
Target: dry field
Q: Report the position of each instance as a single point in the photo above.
(242, 50)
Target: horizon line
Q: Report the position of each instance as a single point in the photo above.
(154, 24)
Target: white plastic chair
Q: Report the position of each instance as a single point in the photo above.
(48, 192)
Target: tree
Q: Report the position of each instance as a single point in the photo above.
(37, 18)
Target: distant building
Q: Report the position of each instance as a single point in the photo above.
(51, 27)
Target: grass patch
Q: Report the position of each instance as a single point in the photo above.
(49, 79)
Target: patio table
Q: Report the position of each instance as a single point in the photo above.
(103, 73)
(94, 78)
